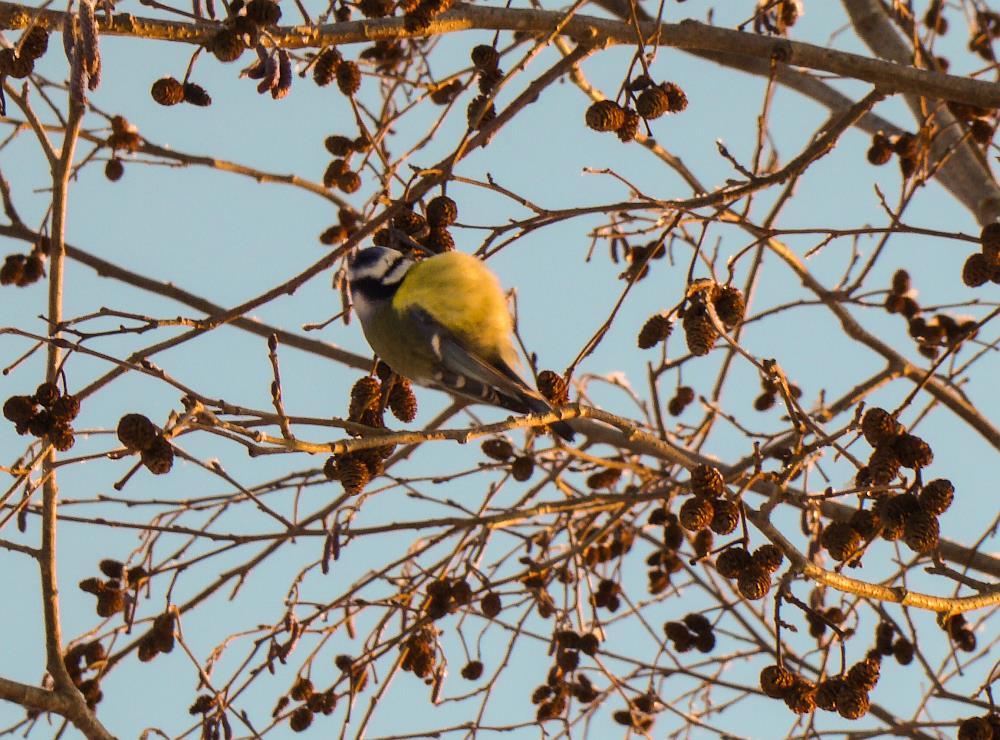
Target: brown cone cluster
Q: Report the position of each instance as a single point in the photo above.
(47, 413)
(887, 643)
(910, 148)
(931, 333)
(693, 631)
(22, 270)
(169, 91)
(984, 266)
(446, 596)
(912, 515)
(707, 511)
(847, 694)
(563, 680)
(419, 652)
(138, 434)
(653, 100)
(752, 572)
(665, 561)
(19, 61)
(681, 400)
(606, 544)
(356, 469)
(699, 330)
(81, 658)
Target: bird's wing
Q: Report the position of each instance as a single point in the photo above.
(466, 373)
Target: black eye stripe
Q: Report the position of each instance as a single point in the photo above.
(373, 289)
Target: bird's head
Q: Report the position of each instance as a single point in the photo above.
(374, 274)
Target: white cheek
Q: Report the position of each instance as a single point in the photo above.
(362, 307)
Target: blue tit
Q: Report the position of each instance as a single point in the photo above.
(443, 322)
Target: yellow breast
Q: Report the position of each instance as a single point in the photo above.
(461, 293)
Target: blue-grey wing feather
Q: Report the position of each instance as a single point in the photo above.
(480, 379)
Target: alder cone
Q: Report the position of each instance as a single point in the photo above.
(699, 332)
(167, 91)
(605, 115)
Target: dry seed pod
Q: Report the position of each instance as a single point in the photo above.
(61, 436)
(159, 456)
(776, 681)
(754, 583)
(900, 282)
(841, 540)
(439, 240)
(725, 517)
(864, 674)
(605, 115)
(472, 670)
(447, 93)
(852, 703)
(522, 468)
(676, 98)
(912, 451)
(47, 394)
(442, 211)
(167, 91)
(921, 532)
(707, 481)
(300, 719)
(604, 478)
(801, 697)
(866, 523)
(196, 95)
(729, 305)
(348, 77)
(630, 127)
(352, 473)
(136, 432)
(402, 402)
(365, 395)
(324, 70)
(263, 12)
(19, 409)
(696, 513)
(12, 272)
(989, 238)
(880, 151)
(349, 182)
(732, 561)
(769, 557)
(652, 102)
(655, 330)
(114, 169)
(883, 465)
(552, 386)
(334, 235)
(480, 112)
(936, 496)
(34, 43)
(485, 57)
(765, 401)
(227, 45)
(490, 605)
(699, 332)
(498, 449)
(879, 427)
(338, 146)
(976, 271)
(376, 8)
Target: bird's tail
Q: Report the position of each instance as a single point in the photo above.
(539, 405)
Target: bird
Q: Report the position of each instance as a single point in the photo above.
(443, 322)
